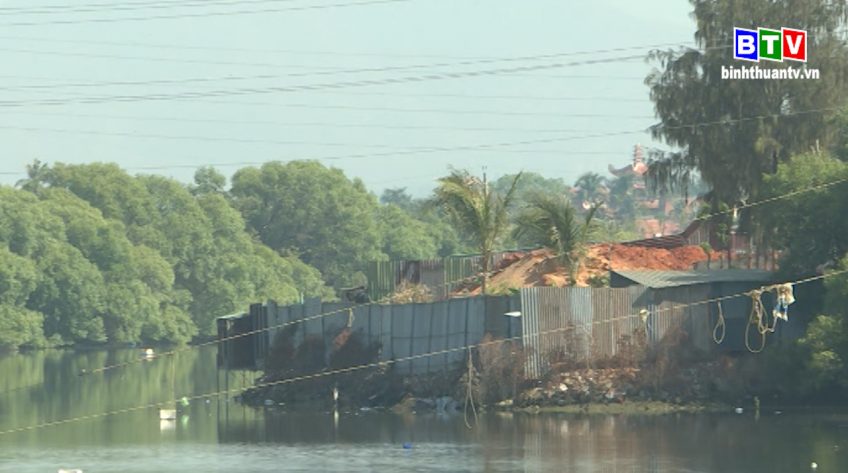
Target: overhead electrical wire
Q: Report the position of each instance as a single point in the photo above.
(121, 6)
(301, 124)
(205, 80)
(448, 111)
(482, 146)
(336, 70)
(786, 195)
(206, 14)
(221, 139)
(379, 364)
(320, 86)
(229, 48)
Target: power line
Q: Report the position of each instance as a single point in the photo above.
(219, 49)
(199, 14)
(448, 111)
(402, 152)
(773, 199)
(380, 364)
(302, 124)
(308, 87)
(96, 7)
(484, 146)
(203, 80)
(342, 310)
(279, 142)
(359, 83)
(30, 52)
(329, 71)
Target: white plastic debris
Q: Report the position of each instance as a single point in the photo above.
(814, 465)
(739, 410)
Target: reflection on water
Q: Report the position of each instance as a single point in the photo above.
(223, 436)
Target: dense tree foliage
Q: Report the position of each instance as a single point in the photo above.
(810, 227)
(748, 125)
(591, 188)
(92, 254)
(444, 236)
(305, 209)
(404, 237)
(530, 184)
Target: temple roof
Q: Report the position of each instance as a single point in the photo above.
(637, 168)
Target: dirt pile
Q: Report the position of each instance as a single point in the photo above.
(542, 268)
(638, 257)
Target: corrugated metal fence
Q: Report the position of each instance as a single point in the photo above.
(584, 324)
(441, 275)
(402, 330)
(590, 323)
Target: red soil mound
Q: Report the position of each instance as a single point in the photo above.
(541, 268)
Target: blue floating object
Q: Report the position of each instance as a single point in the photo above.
(407, 446)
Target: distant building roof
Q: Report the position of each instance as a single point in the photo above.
(637, 168)
(662, 279)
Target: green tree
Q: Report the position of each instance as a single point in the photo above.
(748, 125)
(138, 281)
(208, 181)
(305, 209)
(477, 211)
(552, 222)
(37, 175)
(591, 188)
(19, 326)
(840, 123)
(826, 345)
(404, 237)
(400, 198)
(69, 289)
(621, 198)
(435, 224)
(810, 227)
(215, 266)
(531, 183)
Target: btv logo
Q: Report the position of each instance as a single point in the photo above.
(772, 45)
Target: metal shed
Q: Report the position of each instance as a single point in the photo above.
(670, 288)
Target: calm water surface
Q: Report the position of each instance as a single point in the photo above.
(225, 437)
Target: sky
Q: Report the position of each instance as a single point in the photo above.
(390, 91)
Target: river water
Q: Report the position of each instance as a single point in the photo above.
(221, 436)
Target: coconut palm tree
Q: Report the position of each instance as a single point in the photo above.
(38, 174)
(591, 187)
(552, 222)
(476, 210)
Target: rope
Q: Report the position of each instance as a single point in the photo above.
(388, 362)
(720, 326)
(766, 328)
(326, 314)
(469, 396)
(755, 318)
(349, 310)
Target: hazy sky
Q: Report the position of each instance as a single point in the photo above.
(82, 82)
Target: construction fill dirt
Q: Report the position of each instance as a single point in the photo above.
(541, 268)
